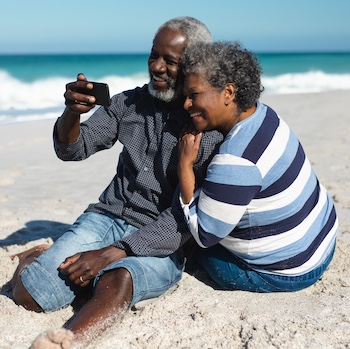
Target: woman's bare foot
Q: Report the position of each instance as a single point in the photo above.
(34, 250)
(53, 339)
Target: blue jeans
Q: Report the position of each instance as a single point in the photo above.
(152, 276)
(231, 273)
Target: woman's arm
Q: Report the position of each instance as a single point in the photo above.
(221, 201)
(188, 150)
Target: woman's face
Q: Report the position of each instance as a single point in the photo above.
(206, 105)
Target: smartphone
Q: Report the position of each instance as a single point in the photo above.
(100, 91)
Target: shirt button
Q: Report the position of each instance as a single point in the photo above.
(145, 168)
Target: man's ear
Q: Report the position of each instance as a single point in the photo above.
(230, 93)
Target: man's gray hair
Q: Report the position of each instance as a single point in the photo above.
(194, 30)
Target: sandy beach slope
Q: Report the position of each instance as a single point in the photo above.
(40, 195)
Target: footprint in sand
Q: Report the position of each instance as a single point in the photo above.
(3, 197)
(9, 177)
(54, 339)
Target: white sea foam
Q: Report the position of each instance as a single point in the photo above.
(314, 81)
(43, 99)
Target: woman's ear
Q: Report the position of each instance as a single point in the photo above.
(229, 93)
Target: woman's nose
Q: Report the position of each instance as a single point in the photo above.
(187, 103)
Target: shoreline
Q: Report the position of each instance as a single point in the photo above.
(40, 196)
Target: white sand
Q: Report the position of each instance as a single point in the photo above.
(40, 195)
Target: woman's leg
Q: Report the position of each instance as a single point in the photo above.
(231, 273)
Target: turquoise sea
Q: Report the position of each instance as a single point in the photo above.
(32, 86)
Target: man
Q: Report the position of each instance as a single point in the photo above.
(127, 246)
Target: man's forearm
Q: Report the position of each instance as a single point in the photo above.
(68, 127)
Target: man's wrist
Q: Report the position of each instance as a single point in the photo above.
(70, 113)
(122, 245)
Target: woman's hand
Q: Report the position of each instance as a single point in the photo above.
(188, 146)
(84, 266)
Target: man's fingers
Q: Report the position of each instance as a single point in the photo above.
(83, 281)
(70, 260)
(79, 85)
(81, 77)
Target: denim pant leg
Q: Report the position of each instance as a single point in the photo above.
(42, 279)
(231, 273)
(152, 276)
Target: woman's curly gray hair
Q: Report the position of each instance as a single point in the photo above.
(226, 62)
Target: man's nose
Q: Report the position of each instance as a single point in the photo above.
(159, 65)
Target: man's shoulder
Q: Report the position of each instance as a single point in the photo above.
(138, 90)
(131, 97)
(213, 136)
(135, 93)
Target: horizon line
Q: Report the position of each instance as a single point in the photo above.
(63, 53)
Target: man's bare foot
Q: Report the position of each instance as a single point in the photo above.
(36, 249)
(53, 339)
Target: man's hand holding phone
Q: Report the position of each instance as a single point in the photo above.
(82, 95)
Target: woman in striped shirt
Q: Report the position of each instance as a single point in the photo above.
(261, 217)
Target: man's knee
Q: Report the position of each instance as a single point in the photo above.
(119, 281)
(19, 293)
(115, 278)
(21, 296)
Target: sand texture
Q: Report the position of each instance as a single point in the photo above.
(41, 195)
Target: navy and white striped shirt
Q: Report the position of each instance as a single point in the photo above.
(262, 201)
(143, 190)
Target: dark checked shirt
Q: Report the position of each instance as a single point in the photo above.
(144, 191)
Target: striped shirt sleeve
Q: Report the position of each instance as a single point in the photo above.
(217, 207)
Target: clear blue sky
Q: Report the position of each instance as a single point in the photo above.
(46, 26)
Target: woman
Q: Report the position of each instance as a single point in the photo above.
(262, 218)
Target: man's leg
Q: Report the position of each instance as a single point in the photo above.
(117, 288)
(111, 298)
(38, 284)
(121, 285)
(19, 293)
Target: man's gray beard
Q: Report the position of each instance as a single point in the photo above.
(166, 96)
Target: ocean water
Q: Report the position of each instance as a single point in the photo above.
(32, 86)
